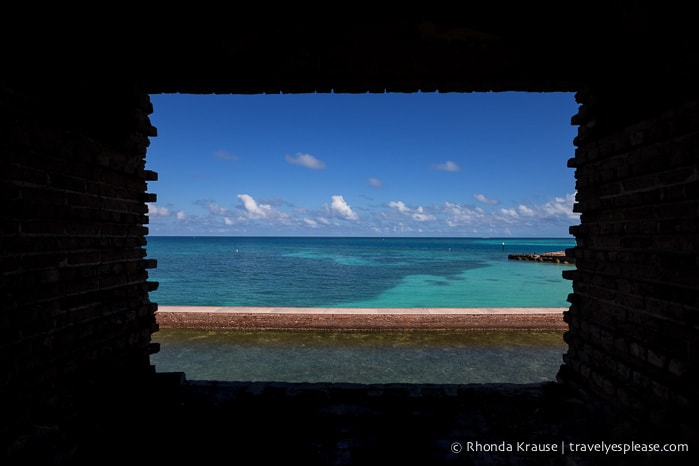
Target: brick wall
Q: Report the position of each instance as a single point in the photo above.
(634, 326)
(76, 318)
(76, 315)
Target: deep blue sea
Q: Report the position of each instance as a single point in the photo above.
(356, 272)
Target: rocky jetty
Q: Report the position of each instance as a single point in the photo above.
(557, 257)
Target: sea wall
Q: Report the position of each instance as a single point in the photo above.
(405, 319)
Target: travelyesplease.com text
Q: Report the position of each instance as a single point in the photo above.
(564, 447)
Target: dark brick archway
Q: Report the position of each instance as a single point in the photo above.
(77, 321)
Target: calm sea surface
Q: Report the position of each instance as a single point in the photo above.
(358, 272)
(362, 357)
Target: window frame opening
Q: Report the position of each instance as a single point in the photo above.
(224, 156)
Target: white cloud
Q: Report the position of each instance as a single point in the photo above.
(399, 205)
(375, 182)
(259, 211)
(481, 198)
(157, 211)
(216, 209)
(458, 215)
(306, 160)
(558, 209)
(525, 211)
(561, 207)
(509, 213)
(341, 208)
(448, 166)
(395, 217)
(402, 228)
(253, 209)
(508, 216)
(421, 216)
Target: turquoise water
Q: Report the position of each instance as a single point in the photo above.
(356, 272)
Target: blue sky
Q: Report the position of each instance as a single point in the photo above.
(422, 164)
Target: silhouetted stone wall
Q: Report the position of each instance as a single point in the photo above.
(76, 314)
(633, 336)
(76, 319)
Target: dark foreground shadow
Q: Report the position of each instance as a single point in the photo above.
(207, 422)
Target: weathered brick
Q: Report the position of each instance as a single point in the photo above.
(75, 287)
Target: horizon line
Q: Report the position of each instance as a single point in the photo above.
(356, 236)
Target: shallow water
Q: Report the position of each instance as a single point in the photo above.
(356, 272)
(361, 357)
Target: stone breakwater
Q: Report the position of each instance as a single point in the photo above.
(556, 257)
(224, 317)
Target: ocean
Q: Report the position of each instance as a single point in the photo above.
(358, 272)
